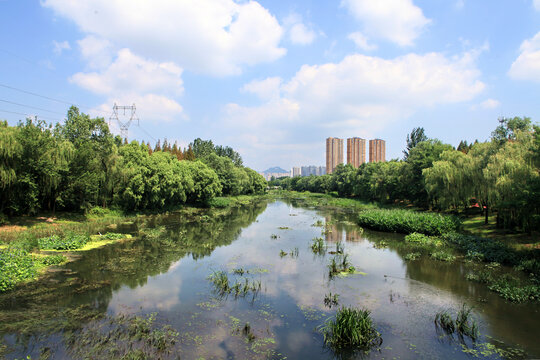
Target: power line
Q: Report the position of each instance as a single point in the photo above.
(31, 107)
(50, 98)
(27, 115)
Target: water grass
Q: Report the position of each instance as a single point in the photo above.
(412, 256)
(340, 265)
(239, 288)
(317, 246)
(351, 328)
(442, 256)
(463, 325)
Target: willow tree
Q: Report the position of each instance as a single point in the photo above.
(10, 152)
(516, 176)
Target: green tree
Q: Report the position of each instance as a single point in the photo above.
(416, 136)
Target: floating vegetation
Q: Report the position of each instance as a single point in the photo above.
(463, 325)
(318, 223)
(340, 265)
(317, 246)
(412, 256)
(55, 259)
(339, 248)
(443, 256)
(292, 253)
(248, 333)
(351, 328)
(381, 244)
(273, 236)
(282, 253)
(284, 228)
(331, 300)
(16, 266)
(240, 288)
(123, 337)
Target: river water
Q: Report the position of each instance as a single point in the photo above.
(165, 271)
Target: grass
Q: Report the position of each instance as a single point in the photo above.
(463, 324)
(16, 266)
(408, 221)
(351, 328)
(70, 242)
(240, 288)
(340, 265)
(317, 246)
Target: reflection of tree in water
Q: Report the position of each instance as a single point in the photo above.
(83, 289)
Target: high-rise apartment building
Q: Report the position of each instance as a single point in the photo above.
(334, 153)
(295, 171)
(377, 150)
(356, 151)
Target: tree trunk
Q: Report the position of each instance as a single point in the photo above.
(486, 210)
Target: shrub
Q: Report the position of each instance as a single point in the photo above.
(407, 221)
(490, 250)
(351, 328)
(443, 256)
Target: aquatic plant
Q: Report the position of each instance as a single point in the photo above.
(16, 266)
(331, 299)
(412, 256)
(340, 264)
(318, 223)
(443, 256)
(113, 236)
(351, 328)
(248, 332)
(294, 253)
(463, 324)
(282, 253)
(71, 241)
(408, 221)
(239, 288)
(273, 236)
(220, 279)
(51, 259)
(317, 246)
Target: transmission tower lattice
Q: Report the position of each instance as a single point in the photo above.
(124, 125)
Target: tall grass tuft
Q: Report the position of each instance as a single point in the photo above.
(351, 328)
(317, 246)
(463, 325)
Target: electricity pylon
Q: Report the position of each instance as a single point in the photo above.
(124, 125)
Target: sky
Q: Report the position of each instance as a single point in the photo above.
(273, 79)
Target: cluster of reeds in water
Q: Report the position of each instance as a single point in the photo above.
(351, 328)
(240, 288)
(463, 325)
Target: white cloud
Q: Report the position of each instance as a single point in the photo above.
(398, 21)
(360, 95)
(527, 65)
(130, 79)
(60, 46)
(209, 36)
(536, 4)
(361, 41)
(459, 4)
(299, 33)
(490, 104)
(266, 89)
(131, 73)
(95, 51)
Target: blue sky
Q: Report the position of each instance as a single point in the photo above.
(273, 79)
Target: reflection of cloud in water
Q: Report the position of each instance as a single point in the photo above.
(160, 293)
(298, 340)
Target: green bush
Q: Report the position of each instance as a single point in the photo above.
(488, 249)
(407, 222)
(16, 265)
(443, 256)
(69, 242)
(219, 202)
(113, 236)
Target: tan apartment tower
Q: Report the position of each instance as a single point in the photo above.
(377, 150)
(334, 153)
(356, 151)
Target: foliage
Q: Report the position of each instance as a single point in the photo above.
(331, 300)
(351, 328)
(443, 256)
(79, 165)
(69, 242)
(416, 136)
(317, 246)
(407, 221)
(16, 265)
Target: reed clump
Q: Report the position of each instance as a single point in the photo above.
(351, 328)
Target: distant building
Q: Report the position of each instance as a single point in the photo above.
(309, 170)
(356, 151)
(321, 170)
(334, 153)
(295, 172)
(377, 150)
(268, 175)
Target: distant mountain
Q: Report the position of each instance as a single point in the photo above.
(275, 169)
